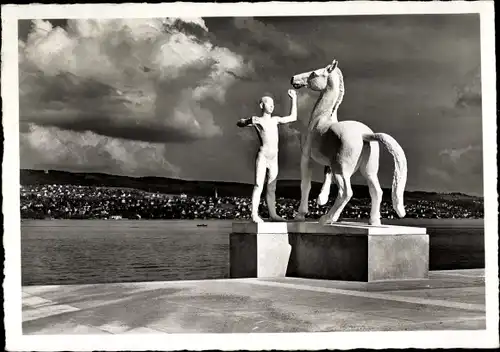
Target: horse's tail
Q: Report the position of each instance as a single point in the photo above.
(400, 169)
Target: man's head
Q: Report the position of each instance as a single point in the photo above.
(267, 104)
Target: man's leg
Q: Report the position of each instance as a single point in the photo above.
(271, 191)
(260, 176)
(305, 177)
(305, 187)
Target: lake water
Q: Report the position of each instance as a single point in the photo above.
(100, 251)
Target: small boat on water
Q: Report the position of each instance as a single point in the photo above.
(202, 225)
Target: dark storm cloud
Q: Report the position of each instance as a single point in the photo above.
(149, 132)
(269, 50)
(132, 80)
(79, 104)
(54, 148)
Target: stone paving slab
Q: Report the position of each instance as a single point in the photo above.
(256, 305)
(382, 298)
(439, 279)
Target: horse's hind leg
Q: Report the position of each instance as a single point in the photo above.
(345, 194)
(347, 160)
(328, 217)
(369, 169)
(325, 190)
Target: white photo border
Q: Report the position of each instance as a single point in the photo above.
(283, 341)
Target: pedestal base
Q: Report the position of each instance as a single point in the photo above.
(341, 251)
(258, 254)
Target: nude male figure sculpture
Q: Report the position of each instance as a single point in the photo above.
(267, 157)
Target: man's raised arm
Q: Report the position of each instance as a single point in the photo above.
(293, 113)
(245, 122)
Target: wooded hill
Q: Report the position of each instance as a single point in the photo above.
(285, 188)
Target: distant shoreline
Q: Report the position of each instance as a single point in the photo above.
(288, 188)
(55, 196)
(401, 222)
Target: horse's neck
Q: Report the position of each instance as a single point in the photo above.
(323, 113)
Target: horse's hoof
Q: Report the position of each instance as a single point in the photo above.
(325, 220)
(400, 210)
(277, 219)
(322, 199)
(300, 217)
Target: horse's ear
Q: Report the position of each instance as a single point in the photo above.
(332, 66)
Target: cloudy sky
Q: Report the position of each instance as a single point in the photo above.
(161, 97)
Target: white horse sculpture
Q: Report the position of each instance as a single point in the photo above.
(343, 148)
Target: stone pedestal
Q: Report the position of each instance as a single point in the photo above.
(259, 250)
(341, 251)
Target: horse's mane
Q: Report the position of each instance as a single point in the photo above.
(341, 89)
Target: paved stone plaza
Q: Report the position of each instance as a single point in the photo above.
(448, 300)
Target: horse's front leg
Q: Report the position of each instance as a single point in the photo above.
(305, 186)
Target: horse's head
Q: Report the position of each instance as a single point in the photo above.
(317, 80)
